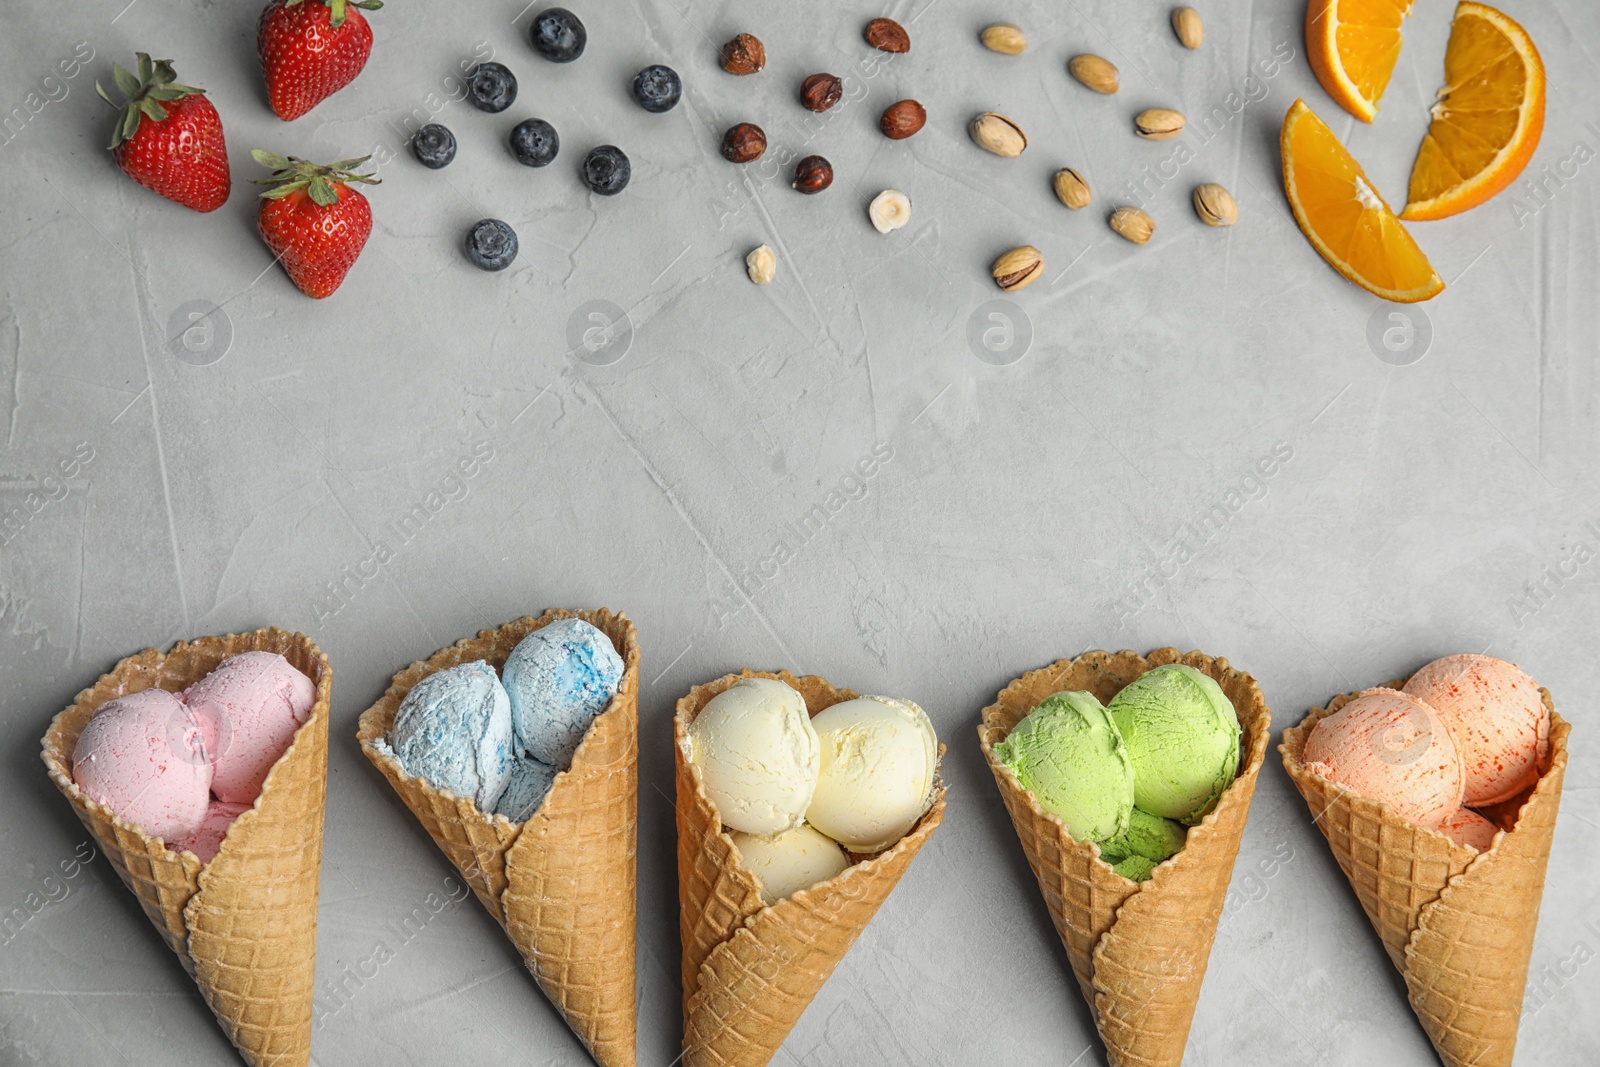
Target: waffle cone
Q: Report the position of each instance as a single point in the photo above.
(245, 924)
(1138, 950)
(562, 884)
(1457, 924)
(749, 970)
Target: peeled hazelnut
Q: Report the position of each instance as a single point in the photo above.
(889, 210)
(1187, 25)
(1005, 39)
(1158, 124)
(1018, 268)
(1095, 73)
(761, 264)
(813, 174)
(744, 143)
(997, 134)
(901, 119)
(887, 35)
(1215, 205)
(1071, 189)
(820, 92)
(1133, 224)
(743, 55)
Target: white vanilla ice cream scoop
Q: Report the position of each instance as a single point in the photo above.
(879, 755)
(794, 860)
(757, 755)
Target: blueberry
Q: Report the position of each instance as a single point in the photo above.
(606, 170)
(657, 88)
(534, 142)
(491, 87)
(491, 244)
(558, 35)
(434, 146)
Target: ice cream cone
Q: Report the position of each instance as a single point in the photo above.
(1139, 949)
(749, 970)
(562, 883)
(1458, 924)
(245, 924)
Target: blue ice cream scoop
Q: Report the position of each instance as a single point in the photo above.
(454, 729)
(559, 678)
(530, 782)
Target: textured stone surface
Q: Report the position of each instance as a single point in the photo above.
(711, 481)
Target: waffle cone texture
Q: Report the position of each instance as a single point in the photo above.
(749, 971)
(244, 925)
(1138, 950)
(1458, 924)
(563, 883)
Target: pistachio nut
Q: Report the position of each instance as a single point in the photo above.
(1018, 268)
(997, 134)
(1095, 72)
(1071, 189)
(1005, 39)
(1133, 224)
(1158, 123)
(1215, 205)
(1187, 25)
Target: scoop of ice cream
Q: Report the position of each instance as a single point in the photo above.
(144, 757)
(1150, 836)
(794, 860)
(251, 704)
(1070, 753)
(206, 842)
(1466, 827)
(1183, 738)
(454, 729)
(529, 783)
(1499, 721)
(1135, 868)
(875, 780)
(758, 755)
(559, 678)
(1385, 745)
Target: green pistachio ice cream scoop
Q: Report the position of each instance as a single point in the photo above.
(1148, 837)
(1183, 738)
(1069, 753)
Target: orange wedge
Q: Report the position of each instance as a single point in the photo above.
(1352, 45)
(1343, 216)
(1487, 120)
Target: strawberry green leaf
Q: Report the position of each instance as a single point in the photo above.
(146, 68)
(322, 193)
(125, 81)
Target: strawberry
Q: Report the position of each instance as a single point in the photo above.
(310, 49)
(313, 221)
(168, 136)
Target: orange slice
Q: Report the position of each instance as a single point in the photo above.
(1343, 216)
(1487, 120)
(1352, 45)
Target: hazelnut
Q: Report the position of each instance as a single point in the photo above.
(743, 55)
(887, 35)
(902, 118)
(820, 92)
(744, 143)
(813, 174)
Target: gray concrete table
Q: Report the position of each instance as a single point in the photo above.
(1044, 466)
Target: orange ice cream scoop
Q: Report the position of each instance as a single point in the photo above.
(1385, 745)
(1497, 716)
(1466, 827)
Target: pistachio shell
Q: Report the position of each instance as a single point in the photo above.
(1158, 123)
(1095, 72)
(1071, 189)
(1187, 25)
(1005, 39)
(1215, 205)
(1133, 224)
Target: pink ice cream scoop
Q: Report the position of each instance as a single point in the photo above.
(1499, 720)
(1385, 745)
(251, 706)
(144, 757)
(1466, 827)
(207, 841)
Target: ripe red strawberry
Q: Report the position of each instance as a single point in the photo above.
(168, 136)
(310, 49)
(313, 221)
